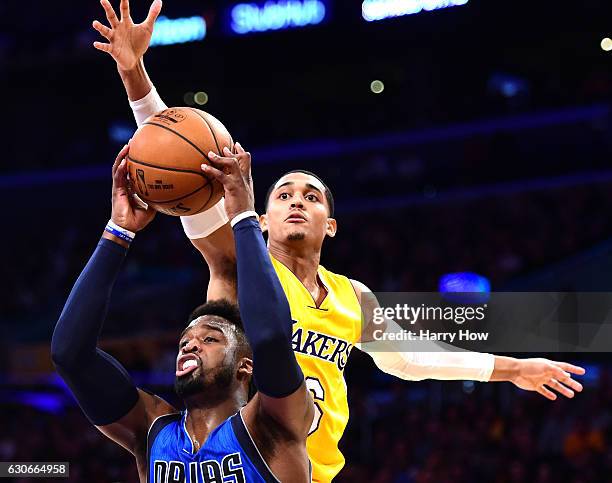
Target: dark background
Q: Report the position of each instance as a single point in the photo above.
(440, 173)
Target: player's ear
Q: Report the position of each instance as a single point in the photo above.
(332, 227)
(245, 368)
(263, 222)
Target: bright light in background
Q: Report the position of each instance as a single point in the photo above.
(377, 86)
(121, 132)
(508, 85)
(276, 15)
(200, 98)
(372, 10)
(606, 44)
(464, 282)
(178, 31)
(465, 287)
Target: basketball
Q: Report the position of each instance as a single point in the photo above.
(165, 157)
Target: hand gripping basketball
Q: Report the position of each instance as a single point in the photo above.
(233, 171)
(126, 212)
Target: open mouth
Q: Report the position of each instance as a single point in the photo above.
(187, 364)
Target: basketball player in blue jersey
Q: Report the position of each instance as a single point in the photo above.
(326, 307)
(221, 436)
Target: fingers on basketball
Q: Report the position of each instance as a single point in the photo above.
(120, 179)
(166, 157)
(227, 163)
(120, 157)
(216, 173)
(244, 159)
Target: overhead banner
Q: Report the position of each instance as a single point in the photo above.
(276, 15)
(373, 10)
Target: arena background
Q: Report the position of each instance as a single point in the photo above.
(487, 151)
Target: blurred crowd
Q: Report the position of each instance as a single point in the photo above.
(403, 434)
(395, 249)
(410, 110)
(427, 432)
(310, 84)
(499, 201)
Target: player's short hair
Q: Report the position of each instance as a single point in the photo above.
(328, 194)
(229, 312)
(220, 308)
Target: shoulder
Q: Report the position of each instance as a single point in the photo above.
(162, 421)
(369, 304)
(132, 429)
(279, 437)
(360, 289)
(156, 407)
(158, 425)
(277, 420)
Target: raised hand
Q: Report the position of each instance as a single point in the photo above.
(126, 211)
(233, 171)
(127, 41)
(545, 376)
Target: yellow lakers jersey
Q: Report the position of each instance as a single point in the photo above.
(322, 341)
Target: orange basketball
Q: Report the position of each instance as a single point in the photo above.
(165, 156)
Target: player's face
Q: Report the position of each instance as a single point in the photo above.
(298, 210)
(206, 356)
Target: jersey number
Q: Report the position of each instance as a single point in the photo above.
(318, 394)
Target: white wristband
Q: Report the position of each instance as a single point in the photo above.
(241, 216)
(147, 106)
(120, 232)
(203, 224)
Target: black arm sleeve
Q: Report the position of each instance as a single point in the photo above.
(102, 387)
(265, 313)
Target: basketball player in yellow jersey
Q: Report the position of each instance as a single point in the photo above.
(326, 307)
(324, 333)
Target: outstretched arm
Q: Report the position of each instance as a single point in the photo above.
(263, 307)
(100, 384)
(127, 44)
(539, 375)
(209, 231)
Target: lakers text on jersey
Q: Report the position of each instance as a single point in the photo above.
(323, 337)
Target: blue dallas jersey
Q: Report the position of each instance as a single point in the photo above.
(228, 455)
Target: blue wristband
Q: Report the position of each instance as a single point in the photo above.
(119, 232)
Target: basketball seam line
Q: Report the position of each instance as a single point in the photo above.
(211, 131)
(183, 138)
(207, 201)
(178, 170)
(170, 169)
(197, 149)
